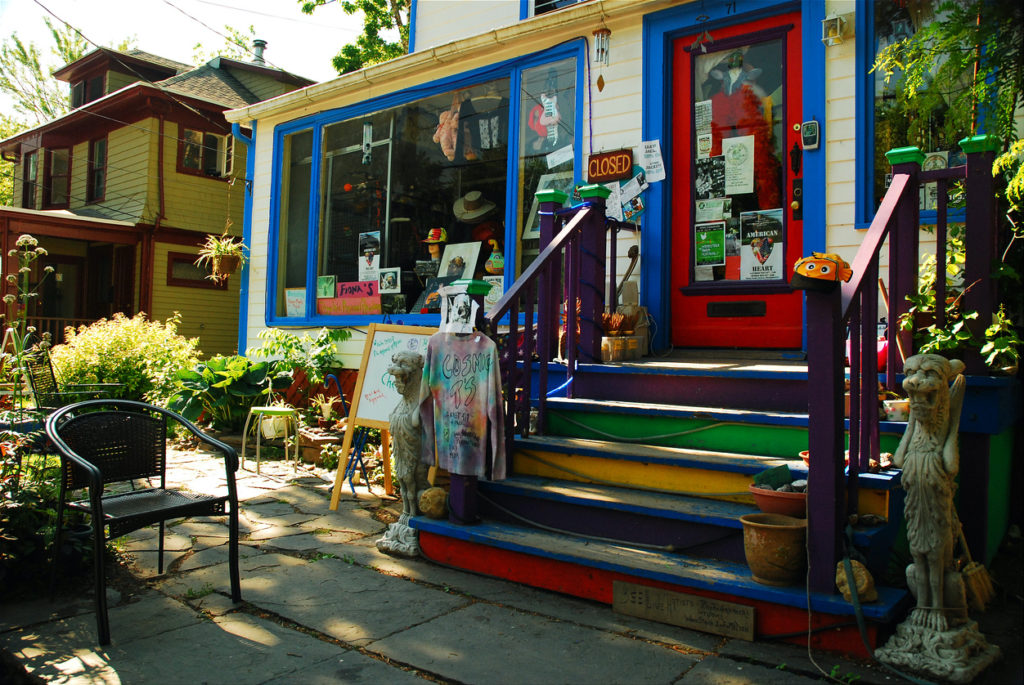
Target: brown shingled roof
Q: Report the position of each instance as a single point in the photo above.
(211, 84)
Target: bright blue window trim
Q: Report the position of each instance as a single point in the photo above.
(243, 288)
(412, 26)
(660, 30)
(524, 9)
(511, 69)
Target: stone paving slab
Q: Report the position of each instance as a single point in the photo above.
(713, 670)
(349, 667)
(796, 661)
(487, 644)
(342, 600)
(236, 648)
(497, 591)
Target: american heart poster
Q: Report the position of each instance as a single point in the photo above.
(761, 245)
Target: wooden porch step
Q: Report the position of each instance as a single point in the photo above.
(588, 568)
(702, 527)
(681, 471)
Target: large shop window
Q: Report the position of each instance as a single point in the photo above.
(411, 197)
(894, 127)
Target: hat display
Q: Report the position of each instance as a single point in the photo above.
(471, 206)
(436, 235)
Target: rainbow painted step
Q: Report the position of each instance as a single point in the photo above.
(588, 568)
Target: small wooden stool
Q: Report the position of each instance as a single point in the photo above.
(262, 413)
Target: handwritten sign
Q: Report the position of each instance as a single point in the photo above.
(356, 297)
(375, 396)
(295, 302)
(689, 611)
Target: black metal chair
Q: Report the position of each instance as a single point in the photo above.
(48, 394)
(122, 441)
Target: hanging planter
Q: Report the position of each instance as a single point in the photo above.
(224, 254)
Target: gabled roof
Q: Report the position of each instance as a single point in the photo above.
(145, 64)
(211, 84)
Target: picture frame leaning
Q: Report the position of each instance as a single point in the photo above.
(556, 180)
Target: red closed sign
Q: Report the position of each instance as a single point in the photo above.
(609, 166)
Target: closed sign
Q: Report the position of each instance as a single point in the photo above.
(609, 166)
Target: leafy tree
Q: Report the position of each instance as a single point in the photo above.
(969, 65)
(29, 82)
(371, 47)
(8, 127)
(237, 46)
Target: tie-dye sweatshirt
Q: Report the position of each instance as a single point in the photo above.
(460, 404)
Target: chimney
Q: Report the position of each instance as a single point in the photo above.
(258, 46)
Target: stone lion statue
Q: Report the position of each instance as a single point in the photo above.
(930, 458)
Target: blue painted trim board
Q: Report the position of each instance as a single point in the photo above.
(243, 289)
(412, 25)
(711, 575)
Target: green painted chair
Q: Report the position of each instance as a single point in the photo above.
(269, 422)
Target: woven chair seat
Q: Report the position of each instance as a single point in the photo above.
(133, 510)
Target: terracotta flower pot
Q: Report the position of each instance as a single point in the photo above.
(775, 502)
(775, 547)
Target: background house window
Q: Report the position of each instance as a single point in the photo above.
(29, 180)
(86, 90)
(207, 154)
(97, 182)
(58, 177)
(182, 271)
(545, 6)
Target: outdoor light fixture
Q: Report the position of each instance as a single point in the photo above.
(602, 45)
(832, 30)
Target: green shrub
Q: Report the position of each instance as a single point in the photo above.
(142, 355)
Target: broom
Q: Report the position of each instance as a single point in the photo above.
(977, 581)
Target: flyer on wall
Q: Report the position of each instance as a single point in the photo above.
(761, 245)
(739, 165)
(709, 244)
(710, 177)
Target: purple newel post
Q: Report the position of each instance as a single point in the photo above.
(980, 242)
(548, 291)
(825, 513)
(593, 243)
(903, 253)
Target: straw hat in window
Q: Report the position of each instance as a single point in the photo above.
(472, 207)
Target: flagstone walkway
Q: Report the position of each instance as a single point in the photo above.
(322, 605)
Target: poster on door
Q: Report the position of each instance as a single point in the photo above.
(709, 244)
(761, 245)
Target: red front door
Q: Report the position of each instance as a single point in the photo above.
(736, 219)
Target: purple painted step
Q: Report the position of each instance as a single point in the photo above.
(673, 523)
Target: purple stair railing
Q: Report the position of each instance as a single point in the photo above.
(569, 269)
(831, 496)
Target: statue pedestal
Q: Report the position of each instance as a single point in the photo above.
(400, 539)
(956, 655)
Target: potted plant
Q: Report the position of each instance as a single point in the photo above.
(326, 406)
(224, 254)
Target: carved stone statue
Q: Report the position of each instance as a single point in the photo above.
(410, 472)
(937, 637)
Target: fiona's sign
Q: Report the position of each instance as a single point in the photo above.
(610, 166)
